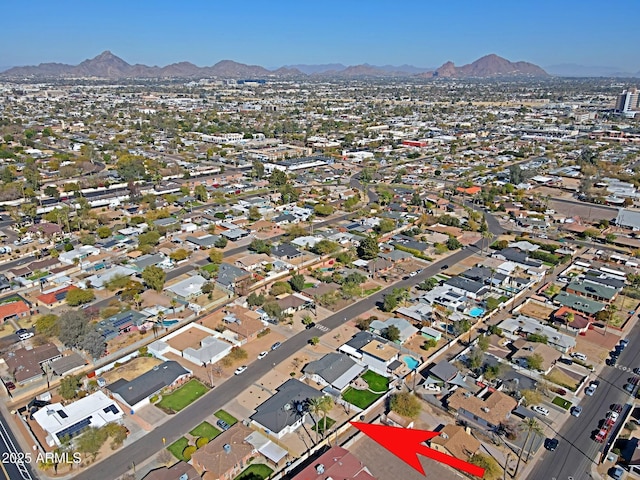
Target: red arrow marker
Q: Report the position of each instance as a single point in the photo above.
(406, 444)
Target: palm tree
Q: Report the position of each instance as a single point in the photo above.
(314, 407)
(531, 425)
(173, 303)
(610, 309)
(486, 235)
(325, 407)
(570, 318)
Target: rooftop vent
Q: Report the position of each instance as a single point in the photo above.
(320, 468)
(485, 409)
(227, 448)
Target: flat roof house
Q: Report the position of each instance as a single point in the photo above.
(336, 463)
(60, 421)
(285, 411)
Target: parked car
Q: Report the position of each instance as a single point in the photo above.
(589, 391)
(239, 370)
(223, 425)
(541, 410)
(10, 385)
(413, 274)
(431, 387)
(616, 407)
(261, 355)
(276, 345)
(624, 342)
(628, 387)
(310, 325)
(444, 267)
(576, 411)
(580, 356)
(551, 444)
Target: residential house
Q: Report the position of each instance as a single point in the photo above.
(456, 441)
(336, 370)
(526, 349)
(61, 422)
(135, 394)
(594, 290)
(294, 303)
(444, 371)
(518, 257)
(225, 456)
(253, 261)
(167, 224)
(407, 331)
(203, 242)
(102, 279)
(468, 288)
(579, 323)
(78, 254)
(25, 365)
(45, 229)
(488, 409)
(14, 311)
(244, 323)
(419, 312)
(151, 260)
(121, 322)
(67, 364)
(485, 275)
(189, 288)
(286, 251)
(229, 276)
(515, 328)
(580, 304)
(284, 412)
(378, 355)
(235, 234)
(336, 463)
(55, 296)
(179, 471)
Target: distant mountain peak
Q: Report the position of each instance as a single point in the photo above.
(489, 66)
(108, 65)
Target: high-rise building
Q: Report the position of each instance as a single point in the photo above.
(628, 103)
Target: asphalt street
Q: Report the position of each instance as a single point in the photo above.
(14, 464)
(577, 452)
(139, 451)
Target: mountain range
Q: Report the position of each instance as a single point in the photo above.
(108, 65)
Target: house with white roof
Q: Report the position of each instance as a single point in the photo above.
(68, 421)
(404, 327)
(189, 288)
(78, 253)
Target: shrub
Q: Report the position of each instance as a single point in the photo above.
(201, 442)
(188, 452)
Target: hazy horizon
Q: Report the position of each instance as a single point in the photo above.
(417, 33)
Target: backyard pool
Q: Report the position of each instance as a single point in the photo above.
(168, 323)
(476, 312)
(411, 362)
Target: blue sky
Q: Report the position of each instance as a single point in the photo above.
(272, 33)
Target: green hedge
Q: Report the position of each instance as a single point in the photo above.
(414, 252)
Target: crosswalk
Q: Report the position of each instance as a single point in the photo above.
(322, 328)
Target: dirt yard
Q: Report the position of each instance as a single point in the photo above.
(190, 338)
(131, 369)
(535, 310)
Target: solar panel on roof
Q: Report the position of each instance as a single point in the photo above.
(74, 429)
(62, 414)
(122, 321)
(111, 408)
(60, 296)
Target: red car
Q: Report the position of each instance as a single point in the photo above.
(10, 385)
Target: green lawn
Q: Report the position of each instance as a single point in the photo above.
(183, 396)
(360, 398)
(230, 419)
(320, 424)
(205, 429)
(562, 403)
(376, 382)
(177, 447)
(258, 469)
(210, 267)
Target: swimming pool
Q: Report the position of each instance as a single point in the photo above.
(411, 362)
(168, 323)
(476, 312)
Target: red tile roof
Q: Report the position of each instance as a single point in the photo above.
(11, 309)
(50, 298)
